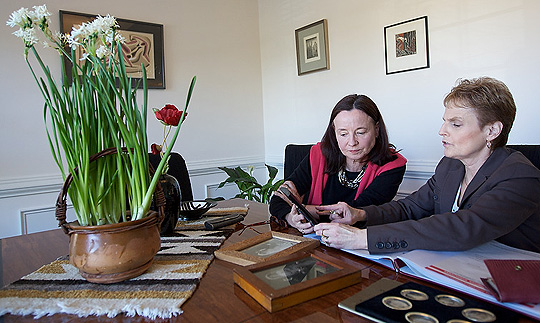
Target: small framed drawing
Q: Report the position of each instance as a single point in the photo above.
(143, 46)
(294, 279)
(266, 246)
(312, 47)
(406, 46)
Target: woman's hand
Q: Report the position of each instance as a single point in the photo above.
(341, 236)
(342, 213)
(297, 220)
(292, 188)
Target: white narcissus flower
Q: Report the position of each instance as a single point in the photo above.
(19, 18)
(119, 38)
(103, 52)
(40, 15)
(28, 35)
(41, 12)
(79, 34)
(106, 23)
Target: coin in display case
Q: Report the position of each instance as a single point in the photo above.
(478, 315)
(397, 303)
(457, 321)
(418, 317)
(449, 300)
(414, 295)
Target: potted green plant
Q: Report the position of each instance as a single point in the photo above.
(249, 186)
(98, 138)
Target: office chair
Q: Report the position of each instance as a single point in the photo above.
(294, 154)
(177, 169)
(532, 152)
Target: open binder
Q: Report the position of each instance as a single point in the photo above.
(459, 270)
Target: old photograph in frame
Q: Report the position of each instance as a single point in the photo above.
(406, 46)
(143, 46)
(295, 279)
(312, 47)
(264, 247)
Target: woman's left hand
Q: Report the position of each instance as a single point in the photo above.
(341, 236)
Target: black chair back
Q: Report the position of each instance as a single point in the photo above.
(177, 169)
(532, 152)
(294, 154)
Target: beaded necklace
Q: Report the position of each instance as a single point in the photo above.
(343, 180)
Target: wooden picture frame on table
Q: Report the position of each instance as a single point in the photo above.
(406, 46)
(295, 279)
(312, 47)
(265, 247)
(143, 46)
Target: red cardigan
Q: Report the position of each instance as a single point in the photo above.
(319, 177)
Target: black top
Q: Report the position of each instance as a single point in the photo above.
(383, 189)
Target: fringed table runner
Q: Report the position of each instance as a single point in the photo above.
(160, 292)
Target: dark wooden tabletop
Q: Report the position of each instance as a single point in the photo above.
(217, 298)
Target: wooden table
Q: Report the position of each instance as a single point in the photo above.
(217, 298)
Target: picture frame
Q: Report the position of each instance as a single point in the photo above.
(144, 38)
(291, 280)
(406, 46)
(312, 47)
(265, 247)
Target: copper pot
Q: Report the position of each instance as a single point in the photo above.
(112, 253)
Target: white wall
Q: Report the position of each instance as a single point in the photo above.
(216, 40)
(467, 38)
(243, 52)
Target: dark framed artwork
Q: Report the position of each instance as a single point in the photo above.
(312, 47)
(294, 279)
(264, 247)
(406, 46)
(144, 45)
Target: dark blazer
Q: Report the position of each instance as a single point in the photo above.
(502, 202)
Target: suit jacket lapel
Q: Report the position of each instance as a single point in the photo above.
(490, 165)
(451, 183)
(474, 185)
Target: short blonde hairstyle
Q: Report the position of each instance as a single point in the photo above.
(491, 100)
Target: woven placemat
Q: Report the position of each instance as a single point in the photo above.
(160, 292)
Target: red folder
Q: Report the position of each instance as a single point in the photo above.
(515, 281)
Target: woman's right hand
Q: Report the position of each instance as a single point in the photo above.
(297, 220)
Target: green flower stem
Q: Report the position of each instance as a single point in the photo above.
(148, 197)
(89, 113)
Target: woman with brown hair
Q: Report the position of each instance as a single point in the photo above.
(354, 164)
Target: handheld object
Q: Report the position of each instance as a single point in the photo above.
(301, 208)
(220, 222)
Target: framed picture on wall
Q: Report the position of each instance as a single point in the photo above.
(312, 47)
(143, 46)
(406, 46)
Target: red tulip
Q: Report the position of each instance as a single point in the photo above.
(169, 115)
(156, 149)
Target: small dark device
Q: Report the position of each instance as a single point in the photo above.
(220, 222)
(301, 208)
